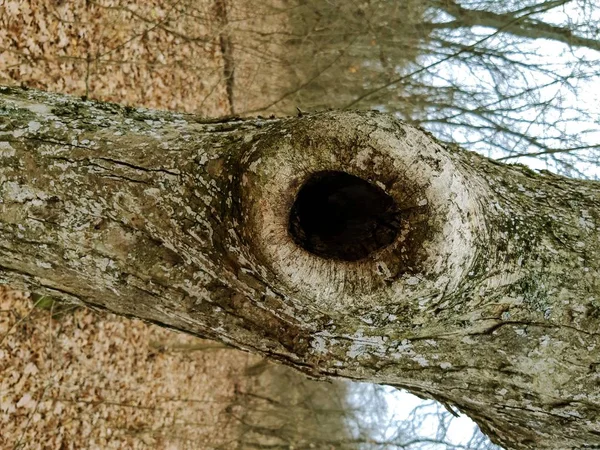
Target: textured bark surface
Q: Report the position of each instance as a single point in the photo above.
(488, 296)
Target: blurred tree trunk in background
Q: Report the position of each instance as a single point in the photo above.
(285, 409)
(341, 50)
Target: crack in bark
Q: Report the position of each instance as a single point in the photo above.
(48, 141)
(140, 168)
(496, 326)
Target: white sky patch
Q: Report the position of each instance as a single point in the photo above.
(404, 417)
(560, 102)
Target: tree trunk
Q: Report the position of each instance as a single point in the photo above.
(344, 244)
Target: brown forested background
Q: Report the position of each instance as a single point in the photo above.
(211, 57)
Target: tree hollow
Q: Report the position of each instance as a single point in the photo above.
(340, 216)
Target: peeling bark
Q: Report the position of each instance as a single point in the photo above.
(486, 293)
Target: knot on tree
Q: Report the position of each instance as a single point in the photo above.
(350, 210)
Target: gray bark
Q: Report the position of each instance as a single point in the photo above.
(487, 295)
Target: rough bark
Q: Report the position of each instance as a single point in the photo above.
(486, 295)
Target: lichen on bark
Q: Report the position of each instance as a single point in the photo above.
(486, 295)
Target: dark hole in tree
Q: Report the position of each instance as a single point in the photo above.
(339, 216)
